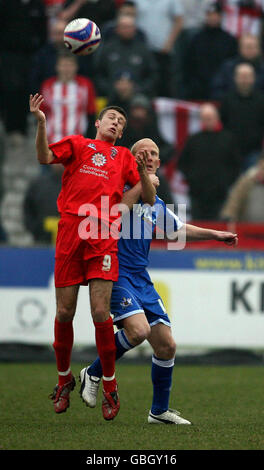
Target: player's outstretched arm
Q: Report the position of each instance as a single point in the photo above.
(194, 233)
(44, 154)
(148, 190)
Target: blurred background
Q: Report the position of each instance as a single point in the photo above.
(190, 74)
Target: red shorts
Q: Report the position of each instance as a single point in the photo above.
(77, 260)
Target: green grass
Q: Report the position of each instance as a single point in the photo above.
(225, 405)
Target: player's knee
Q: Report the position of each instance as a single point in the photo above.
(166, 350)
(100, 314)
(139, 333)
(65, 313)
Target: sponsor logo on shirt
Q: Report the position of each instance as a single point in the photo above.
(99, 159)
(92, 146)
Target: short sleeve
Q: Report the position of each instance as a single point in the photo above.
(167, 221)
(63, 150)
(131, 175)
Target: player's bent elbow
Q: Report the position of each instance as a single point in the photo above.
(45, 159)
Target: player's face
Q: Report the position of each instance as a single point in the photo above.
(153, 160)
(111, 126)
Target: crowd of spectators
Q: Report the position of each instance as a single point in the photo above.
(205, 51)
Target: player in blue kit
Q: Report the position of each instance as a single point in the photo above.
(136, 306)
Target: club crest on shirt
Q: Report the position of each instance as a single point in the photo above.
(99, 159)
(126, 302)
(114, 152)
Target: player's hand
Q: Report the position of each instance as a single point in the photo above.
(34, 104)
(228, 238)
(154, 180)
(141, 159)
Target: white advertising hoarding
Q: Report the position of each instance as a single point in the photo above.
(207, 309)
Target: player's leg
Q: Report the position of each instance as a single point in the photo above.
(128, 315)
(100, 296)
(66, 301)
(164, 348)
(135, 329)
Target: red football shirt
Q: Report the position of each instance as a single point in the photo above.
(93, 168)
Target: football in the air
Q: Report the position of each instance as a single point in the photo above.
(82, 36)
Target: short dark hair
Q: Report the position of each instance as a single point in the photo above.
(128, 3)
(115, 108)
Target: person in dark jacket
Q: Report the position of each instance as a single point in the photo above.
(210, 163)
(98, 11)
(249, 52)
(23, 27)
(142, 123)
(242, 112)
(207, 50)
(125, 51)
(37, 206)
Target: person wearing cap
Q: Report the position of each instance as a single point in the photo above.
(123, 91)
(207, 50)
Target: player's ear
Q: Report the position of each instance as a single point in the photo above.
(97, 123)
(158, 164)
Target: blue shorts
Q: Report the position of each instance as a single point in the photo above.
(135, 293)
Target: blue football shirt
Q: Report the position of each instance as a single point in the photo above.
(138, 229)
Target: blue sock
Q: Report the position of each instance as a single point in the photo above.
(122, 346)
(161, 375)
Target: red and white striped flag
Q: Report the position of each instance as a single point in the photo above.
(177, 119)
(239, 20)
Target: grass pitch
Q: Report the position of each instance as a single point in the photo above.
(225, 405)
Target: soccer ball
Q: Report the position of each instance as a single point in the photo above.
(82, 36)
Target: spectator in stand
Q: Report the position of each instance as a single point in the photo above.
(44, 61)
(161, 21)
(207, 50)
(126, 8)
(245, 201)
(37, 206)
(243, 16)
(210, 162)
(23, 26)
(249, 52)
(193, 21)
(123, 90)
(125, 52)
(142, 123)
(98, 11)
(242, 112)
(69, 101)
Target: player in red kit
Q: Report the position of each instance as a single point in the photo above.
(95, 171)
